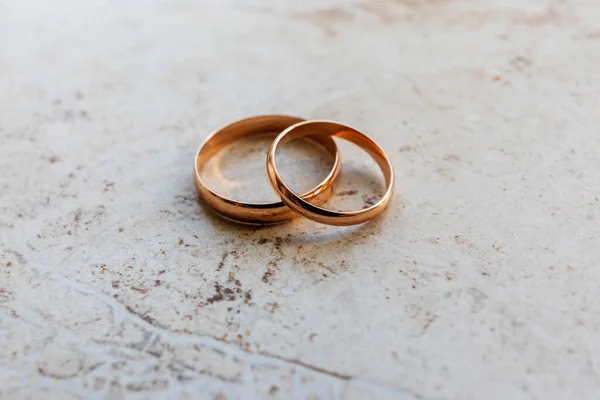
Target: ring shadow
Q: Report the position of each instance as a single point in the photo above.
(317, 233)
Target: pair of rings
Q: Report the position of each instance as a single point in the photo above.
(291, 205)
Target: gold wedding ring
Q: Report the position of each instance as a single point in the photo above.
(258, 213)
(321, 129)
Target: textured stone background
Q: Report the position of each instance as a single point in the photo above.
(480, 282)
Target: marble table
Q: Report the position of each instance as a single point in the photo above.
(479, 282)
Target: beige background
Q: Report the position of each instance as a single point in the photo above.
(480, 282)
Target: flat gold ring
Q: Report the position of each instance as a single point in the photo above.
(312, 211)
(258, 213)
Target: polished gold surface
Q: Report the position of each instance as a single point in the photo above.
(320, 129)
(258, 213)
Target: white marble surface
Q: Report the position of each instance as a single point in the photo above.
(480, 282)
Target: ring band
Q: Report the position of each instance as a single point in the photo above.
(327, 129)
(258, 213)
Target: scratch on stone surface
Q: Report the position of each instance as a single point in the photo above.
(326, 16)
(382, 10)
(313, 368)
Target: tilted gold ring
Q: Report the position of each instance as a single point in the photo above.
(320, 129)
(258, 213)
